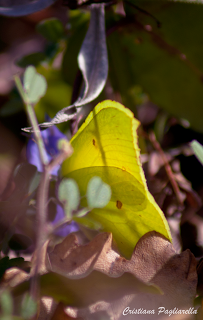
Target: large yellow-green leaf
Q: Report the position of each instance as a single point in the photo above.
(106, 146)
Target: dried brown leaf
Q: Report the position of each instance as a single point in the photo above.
(154, 261)
(96, 283)
(71, 259)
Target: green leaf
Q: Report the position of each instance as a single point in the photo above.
(6, 303)
(52, 29)
(106, 146)
(69, 195)
(120, 72)
(166, 61)
(34, 84)
(28, 307)
(198, 150)
(98, 193)
(32, 59)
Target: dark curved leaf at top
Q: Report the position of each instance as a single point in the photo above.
(92, 59)
(93, 63)
(13, 8)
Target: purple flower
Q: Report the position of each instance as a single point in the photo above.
(66, 229)
(50, 137)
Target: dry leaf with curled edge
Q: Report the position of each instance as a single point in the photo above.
(154, 261)
(90, 286)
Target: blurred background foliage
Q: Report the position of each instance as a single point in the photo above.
(154, 47)
(155, 51)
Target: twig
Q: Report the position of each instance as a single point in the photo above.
(144, 12)
(167, 166)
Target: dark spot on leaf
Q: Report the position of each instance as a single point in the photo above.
(138, 40)
(94, 142)
(148, 28)
(183, 56)
(119, 204)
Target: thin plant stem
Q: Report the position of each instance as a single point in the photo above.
(37, 134)
(42, 195)
(43, 227)
(43, 191)
(42, 233)
(33, 121)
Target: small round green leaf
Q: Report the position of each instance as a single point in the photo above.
(198, 150)
(29, 75)
(52, 29)
(69, 195)
(34, 84)
(98, 193)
